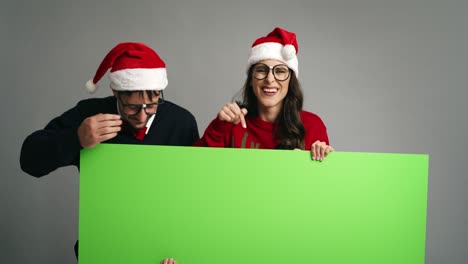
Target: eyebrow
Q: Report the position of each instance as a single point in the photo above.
(140, 104)
(263, 64)
(156, 95)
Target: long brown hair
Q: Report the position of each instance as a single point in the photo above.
(290, 131)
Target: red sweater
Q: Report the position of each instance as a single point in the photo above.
(258, 134)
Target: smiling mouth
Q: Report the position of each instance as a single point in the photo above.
(269, 91)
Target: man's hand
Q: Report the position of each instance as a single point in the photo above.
(319, 150)
(98, 128)
(232, 113)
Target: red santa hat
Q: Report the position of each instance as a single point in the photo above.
(277, 45)
(134, 67)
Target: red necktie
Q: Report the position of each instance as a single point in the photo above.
(139, 133)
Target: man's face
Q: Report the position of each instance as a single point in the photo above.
(136, 108)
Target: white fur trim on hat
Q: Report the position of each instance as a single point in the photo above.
(138, 79)
(288, 52)
(90, 86)
(274, 51)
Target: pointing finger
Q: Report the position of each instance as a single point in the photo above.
(242, 117)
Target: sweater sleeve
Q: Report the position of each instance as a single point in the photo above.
(190, 132)
(217, 134)
(194, 134)
(57, 145)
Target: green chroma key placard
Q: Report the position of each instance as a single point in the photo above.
(140, 204)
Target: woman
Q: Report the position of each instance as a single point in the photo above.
(270, 115)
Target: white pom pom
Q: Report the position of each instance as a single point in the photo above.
(90, 86)
(289, 52)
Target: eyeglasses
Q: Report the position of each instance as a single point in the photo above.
(281, 72)
(132, 110)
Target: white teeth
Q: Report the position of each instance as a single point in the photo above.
(272, 90)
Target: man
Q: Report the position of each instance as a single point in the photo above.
(135, 114)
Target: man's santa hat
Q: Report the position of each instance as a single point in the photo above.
(134, 67)
(277, 45)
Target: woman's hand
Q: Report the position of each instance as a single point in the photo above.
(319, 150)
(168, 261)
(232, 113)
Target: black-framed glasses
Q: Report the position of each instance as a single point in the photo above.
(132, 110)
(281, 72)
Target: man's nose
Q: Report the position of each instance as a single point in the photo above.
(142, 115)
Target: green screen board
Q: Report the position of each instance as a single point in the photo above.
(140, 204)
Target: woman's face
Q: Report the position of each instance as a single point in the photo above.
(271, 90)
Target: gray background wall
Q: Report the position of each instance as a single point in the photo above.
(386, 76)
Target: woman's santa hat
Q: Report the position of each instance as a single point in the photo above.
(134, 67)
(278, 45)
